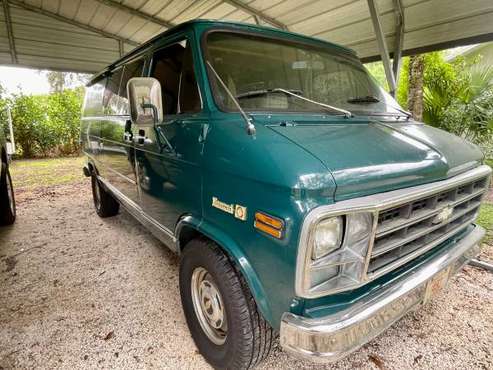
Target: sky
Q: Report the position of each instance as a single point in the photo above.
(30, 80)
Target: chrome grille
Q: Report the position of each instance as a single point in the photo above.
(405, 231)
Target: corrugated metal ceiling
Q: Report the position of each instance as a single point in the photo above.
(86, 35)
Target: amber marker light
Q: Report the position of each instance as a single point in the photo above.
(269, 225)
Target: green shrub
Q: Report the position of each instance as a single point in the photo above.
(46, 125)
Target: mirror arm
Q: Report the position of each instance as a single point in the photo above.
(154, 111)
(250, 127)
(167, 143)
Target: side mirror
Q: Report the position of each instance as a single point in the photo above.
(144, 98)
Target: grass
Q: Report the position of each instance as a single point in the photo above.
(36, 173)
(485, 219)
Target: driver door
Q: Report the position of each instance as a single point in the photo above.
(168, 159)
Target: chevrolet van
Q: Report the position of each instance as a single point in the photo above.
(304, 202)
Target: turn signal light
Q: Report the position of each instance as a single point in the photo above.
(269, 225)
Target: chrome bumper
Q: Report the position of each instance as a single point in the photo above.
(332, 337)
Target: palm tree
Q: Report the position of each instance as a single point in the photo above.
(463, 106)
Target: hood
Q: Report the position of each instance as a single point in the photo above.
(372, 157)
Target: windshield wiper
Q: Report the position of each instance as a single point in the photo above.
(374, 99)
(250, 127)
(363, 99)
(260, 92)
(345, 112)
(407, 114)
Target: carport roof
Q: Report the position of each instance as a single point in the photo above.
(87, 35)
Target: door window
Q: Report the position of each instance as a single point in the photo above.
(111, 98)
(166, 69)
(133, 69)
(93, 102)
(189, 93)
(115, 101)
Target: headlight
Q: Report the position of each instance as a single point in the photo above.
(328, 237)
(335, 254)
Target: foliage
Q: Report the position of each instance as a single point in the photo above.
(64, 109)
(458, 96)
(377, 71)
(60, 81)
(46, 125)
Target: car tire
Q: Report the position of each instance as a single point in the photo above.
(105, 204)
(236, 338)
(7, 199)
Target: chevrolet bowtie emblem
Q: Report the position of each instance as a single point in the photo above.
(443, 215)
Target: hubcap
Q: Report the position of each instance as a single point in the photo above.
(208, 306)
(10, 195)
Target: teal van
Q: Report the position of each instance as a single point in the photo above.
(303, 201)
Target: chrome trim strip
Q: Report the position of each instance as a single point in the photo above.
(106, 167)
(373, 204)
(158, 230)
(321, 331)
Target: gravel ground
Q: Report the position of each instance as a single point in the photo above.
(81, 292)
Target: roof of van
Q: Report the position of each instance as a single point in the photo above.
(214, 24)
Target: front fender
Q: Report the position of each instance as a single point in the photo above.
(233, 250)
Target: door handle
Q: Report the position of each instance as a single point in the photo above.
(141, 138)
(127, 137)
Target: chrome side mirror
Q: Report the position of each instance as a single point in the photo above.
(144, 97)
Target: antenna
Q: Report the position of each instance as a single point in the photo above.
(250, 127)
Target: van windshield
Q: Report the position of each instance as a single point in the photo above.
(264, 74)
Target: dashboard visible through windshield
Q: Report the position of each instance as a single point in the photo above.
(270, 75)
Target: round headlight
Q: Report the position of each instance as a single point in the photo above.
(328, 237)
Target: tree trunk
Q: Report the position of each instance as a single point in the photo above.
(415, 91)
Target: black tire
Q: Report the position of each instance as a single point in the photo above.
(105, 204)
(7, 199)
(249, 337)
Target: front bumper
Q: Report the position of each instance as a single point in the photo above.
(332, 337)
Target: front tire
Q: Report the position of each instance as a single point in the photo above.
(221, 313)
(7, 199)
(105, 204)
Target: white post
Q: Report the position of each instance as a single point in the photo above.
(11, 128)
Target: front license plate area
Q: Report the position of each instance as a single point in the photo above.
(437, 284)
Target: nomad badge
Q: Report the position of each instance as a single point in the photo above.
(236, 210)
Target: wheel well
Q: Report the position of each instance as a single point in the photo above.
(92, 168)
(187, 234)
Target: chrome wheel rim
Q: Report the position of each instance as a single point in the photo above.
(208, 306)
(10, 195)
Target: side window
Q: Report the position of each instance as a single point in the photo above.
(132, 69)
(189, 92)
(111, 98)
(166, 69)
(93, 102)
